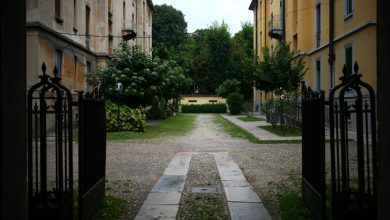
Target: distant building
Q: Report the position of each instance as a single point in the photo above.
(306, 26)
(78, 35)
(201, 99)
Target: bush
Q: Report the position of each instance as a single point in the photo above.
(157, 112)
(278, 109)
(129, 119)
(204, 108)
(234, 102)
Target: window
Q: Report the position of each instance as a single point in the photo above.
(331, 77)
(348, 51)
(318, 25)
(318, 74)
(348, 8)
(57, 9)
(87, 23)
(59, 62)
(75, 15)
(124, 15)
(192, 101)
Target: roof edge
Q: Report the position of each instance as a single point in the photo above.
(252, 5)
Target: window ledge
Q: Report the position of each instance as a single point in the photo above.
(59, 19)
(348, 16)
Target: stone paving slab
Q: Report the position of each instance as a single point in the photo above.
(149, 212)
(170, 183)
(231, 175)
(235, 183)
(170, 198)
(175, 172)
(243, 202)
(241, 194)
(248, 211)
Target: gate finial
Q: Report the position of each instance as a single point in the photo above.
(43, 68)
(55, 72)
(345, 70)
(356, 68)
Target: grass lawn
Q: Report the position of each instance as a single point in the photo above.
(178, 125)
(288, 132)
(236, 131)
(250, 118)
(111, 209)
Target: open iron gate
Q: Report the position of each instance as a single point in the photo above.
(353, 149)
(313, 150)
(50, 150)
(92, 154)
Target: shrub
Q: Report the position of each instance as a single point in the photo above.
(204, 108)
(234, 102)
(129, 119)
(157, 112)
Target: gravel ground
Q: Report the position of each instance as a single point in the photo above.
(134, 167)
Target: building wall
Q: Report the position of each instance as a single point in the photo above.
(198, 100)
(108, 19)
(358, 30)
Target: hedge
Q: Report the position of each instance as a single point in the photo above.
(129, 119)
(204, 108)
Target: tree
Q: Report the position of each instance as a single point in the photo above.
(227, 87)
(242, 62)
(279, 70)
(169, 30)
(146, 81)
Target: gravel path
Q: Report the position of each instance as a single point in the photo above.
(134, 167)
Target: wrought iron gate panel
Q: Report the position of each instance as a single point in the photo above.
(313, 150)
(353, 157)
(92, 155)
(50, 179)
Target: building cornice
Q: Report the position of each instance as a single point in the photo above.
(151, 5)
(253, 5)
(38, 26)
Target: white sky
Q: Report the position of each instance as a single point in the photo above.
(202, 13)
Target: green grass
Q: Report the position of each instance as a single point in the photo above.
(179, 125)
(112, 208)
(292, 207)
(288, 131)
(250, 118)
(236, 131)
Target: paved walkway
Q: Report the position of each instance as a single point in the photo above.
(163, 201)
(259, 133)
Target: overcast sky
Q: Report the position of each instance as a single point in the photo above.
(202, 13)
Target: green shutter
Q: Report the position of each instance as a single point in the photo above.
(348, 58)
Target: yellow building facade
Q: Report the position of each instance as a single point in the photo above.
(201, 99)
(305, 24)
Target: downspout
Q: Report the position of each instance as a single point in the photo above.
(284, 20)
(331, 55)
(265, 23)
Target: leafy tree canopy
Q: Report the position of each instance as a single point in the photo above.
(169, 29)
(146, 81)
(279, 70)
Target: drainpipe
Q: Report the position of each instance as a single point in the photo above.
(283, 20)
(331, 55)
(265, 23)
